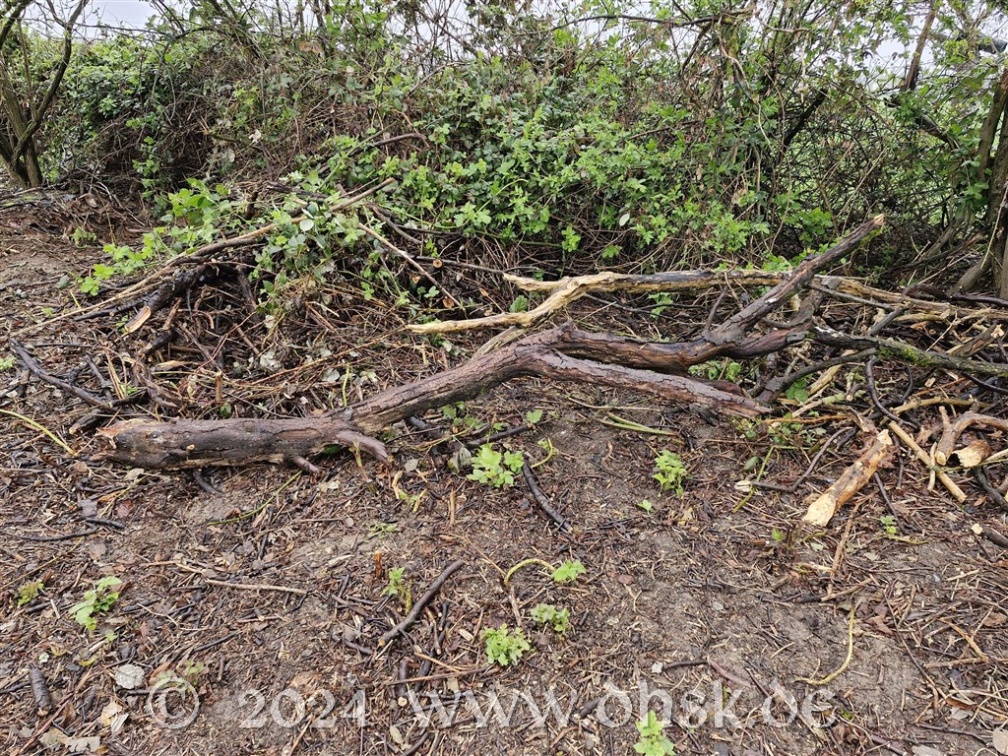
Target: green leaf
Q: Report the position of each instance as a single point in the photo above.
(568, 571)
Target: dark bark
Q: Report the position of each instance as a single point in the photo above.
(564, 354)
(203, 443)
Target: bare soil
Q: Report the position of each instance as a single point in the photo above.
(266, 601)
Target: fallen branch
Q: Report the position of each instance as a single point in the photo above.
(422, 602)
(898, 350)
(853, 479)
(564, 354)
(945, 448)
(567, 290)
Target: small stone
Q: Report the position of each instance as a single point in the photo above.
(129, 676)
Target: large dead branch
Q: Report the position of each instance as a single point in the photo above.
(899, 350)
(564, 354)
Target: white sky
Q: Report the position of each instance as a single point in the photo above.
(130, 13)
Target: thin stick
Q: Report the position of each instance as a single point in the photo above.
(257, 587)
(410, 261)
(38, 372)
(846, 662)
(422, 602)
(543, 500)
(924, 458)
(35, 425)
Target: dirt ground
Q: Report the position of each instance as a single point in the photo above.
(250, 620)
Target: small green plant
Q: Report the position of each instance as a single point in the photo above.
(81, 237)
(495, 469)
(520, 304)
(193, 671)
(398, 587)
(378, 529)
(28, 592)
(505, 647)
(532, 417)
(670, 472)
(98, 600)
(798, 391)
(713, 370)
(646, 505)
(568, 571)
(662, 301)
(6, 363)
(888, 523)
(552, 616)
(457, 416)
(652, 740)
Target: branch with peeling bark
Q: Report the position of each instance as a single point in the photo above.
(567, 290)
(564, 353)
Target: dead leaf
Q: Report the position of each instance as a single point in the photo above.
(113, 716)
(96, 550)
(83, 745)
(52, 737)
(999, 739)
(923, 750)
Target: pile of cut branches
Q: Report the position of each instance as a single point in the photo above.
(829, 321)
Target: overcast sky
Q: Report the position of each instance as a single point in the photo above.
(132, 13)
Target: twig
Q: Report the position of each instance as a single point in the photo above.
(389, 140)
(38, 372)
(35, 425)
(421, 603)
(885, 497)
(729, 676)
(410, 261)
(43, 729)
(848, 433)
(257, 587)
(993, 536)
(774, 386)
(542, 500)
(50, 539)
(40, 691)
(926, 460)
(989, 489)
(847, 660)
(873, 392)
